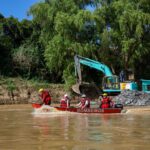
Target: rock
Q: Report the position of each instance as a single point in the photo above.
(133, 98)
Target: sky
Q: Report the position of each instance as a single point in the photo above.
(16, 8)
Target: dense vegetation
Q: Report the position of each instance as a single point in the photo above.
(115, 32)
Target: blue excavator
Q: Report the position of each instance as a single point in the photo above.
(110, 83)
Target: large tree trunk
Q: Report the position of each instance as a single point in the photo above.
(128, 70)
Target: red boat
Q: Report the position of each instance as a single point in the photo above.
(79, 110)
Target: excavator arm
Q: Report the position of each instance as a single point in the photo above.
(91, 63)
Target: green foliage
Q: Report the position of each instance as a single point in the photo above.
(26, 58)
(69, 33)
(11, 86)
(68, 76)
(131, 22)
(12, 34)
(116, 33)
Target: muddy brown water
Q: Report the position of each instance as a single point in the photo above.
(20, 129)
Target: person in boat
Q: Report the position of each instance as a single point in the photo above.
(65, 101)
(106, 101)
(45, 96)
(84, 102)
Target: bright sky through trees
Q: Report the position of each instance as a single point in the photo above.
(16, 8)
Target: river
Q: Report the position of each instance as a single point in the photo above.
(20, 129)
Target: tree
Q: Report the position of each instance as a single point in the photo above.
(26, 58)
(67, 29)
(6, 44)
(115, 32)
(12, 34)
(125, 30)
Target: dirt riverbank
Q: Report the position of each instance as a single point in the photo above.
(19, 91)
(137, 110)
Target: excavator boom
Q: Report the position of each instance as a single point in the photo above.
(91, 63)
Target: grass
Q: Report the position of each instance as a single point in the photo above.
(35, 83)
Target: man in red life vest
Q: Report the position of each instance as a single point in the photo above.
(45, 96)
(65, 101)
(106, 102)
(84, 102)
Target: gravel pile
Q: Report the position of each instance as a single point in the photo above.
(133, 98)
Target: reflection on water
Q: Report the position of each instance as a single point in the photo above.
(22, 130)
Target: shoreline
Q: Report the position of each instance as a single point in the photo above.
(137, 110)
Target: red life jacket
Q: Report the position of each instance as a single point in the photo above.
(63, 103)
(46, 97)
(105, 102)
(83, 100)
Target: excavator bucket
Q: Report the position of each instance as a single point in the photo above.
(89, 89)
(75, 89)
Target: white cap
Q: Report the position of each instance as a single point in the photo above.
(83, 95)
(65, 95)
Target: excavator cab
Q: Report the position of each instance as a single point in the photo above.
(111, 85)
(111, 82)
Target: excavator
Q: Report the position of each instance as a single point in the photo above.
(110, 83)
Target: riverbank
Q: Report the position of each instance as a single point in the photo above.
(21, 91)
(137, 110)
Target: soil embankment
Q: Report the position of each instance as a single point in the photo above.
(19, 91)
(137, 110)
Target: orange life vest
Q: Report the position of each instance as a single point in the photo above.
(83, 100)
(46, 97)
(63, 103)
(105, 102)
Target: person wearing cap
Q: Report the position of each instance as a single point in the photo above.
(45, 96)
(106, 102)
(65, 101)
(84, 102)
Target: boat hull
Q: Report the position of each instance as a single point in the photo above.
(85, 110)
